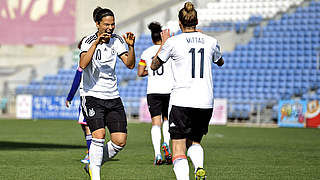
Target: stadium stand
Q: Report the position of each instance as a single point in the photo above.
(226, 15)
(279, 62)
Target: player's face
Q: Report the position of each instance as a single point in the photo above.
(106, 25)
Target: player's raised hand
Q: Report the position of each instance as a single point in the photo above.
(103, 38)
(68, 103)
(129, 38)
(165, 35)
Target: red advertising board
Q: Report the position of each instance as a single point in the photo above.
(313, 114)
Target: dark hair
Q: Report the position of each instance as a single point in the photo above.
(155, 29)
(100, 12)
(188, 15)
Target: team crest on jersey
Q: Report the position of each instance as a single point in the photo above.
(113, 52)
(91, 112)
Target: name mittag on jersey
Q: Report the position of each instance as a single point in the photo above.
(195, 40)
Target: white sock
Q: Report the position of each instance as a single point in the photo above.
(95, 155)
(156, 139)
(195, 153)
(165, 132)
(181, 168)
(110, 150)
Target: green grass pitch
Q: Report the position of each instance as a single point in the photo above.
(52, 149)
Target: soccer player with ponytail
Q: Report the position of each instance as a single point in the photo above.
(193, 54)
(101, 104)
(158, 95)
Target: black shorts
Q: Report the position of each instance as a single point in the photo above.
(100, 113)
(158, 104)
(190, 123)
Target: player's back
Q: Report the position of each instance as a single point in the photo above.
(192, 55)
(159, 81)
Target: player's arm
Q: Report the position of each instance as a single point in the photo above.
(217, 55)
(142, 68)
(220, 62)
(156, 61)
(129, 59)
(85, 57)
(74, 87)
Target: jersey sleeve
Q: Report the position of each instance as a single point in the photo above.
(216, 53)
(165, 51)
(75, 84)
(120, 46)
(143, 59)
(85, 47)
(86, 43)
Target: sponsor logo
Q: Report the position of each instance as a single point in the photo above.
(172, 125)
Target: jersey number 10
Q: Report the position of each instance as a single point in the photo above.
(193, 55)
(158, 72)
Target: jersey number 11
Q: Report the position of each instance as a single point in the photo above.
(193, 55)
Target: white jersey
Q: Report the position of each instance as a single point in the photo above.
(161, 80)
(192, 55)
(98, 78)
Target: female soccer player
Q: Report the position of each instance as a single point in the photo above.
(158, 95)
(100, 100)
(192, 96)
(81, 120)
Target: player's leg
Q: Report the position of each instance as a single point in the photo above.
(88, 138)
(116, 122)
(180, 162)
(96, 152)
(166, 141)
(195, 151)
(114, 145)
(156, 138)
(85, 128)
(179, 129)
(154, 104)
(196, 155)
(165, 123)
(165, 129)
(94, 114)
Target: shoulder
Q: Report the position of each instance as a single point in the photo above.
(175, 39)
(152, 50)
(90, 38)
(117, 38)
(210, 38)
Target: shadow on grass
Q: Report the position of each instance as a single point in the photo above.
(7, 145)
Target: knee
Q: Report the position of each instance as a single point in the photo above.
(120, 139)
(99, 134)
(120, 143)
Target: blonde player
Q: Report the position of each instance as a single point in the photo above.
(192, 96)
(100, 100)
(158, 95)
